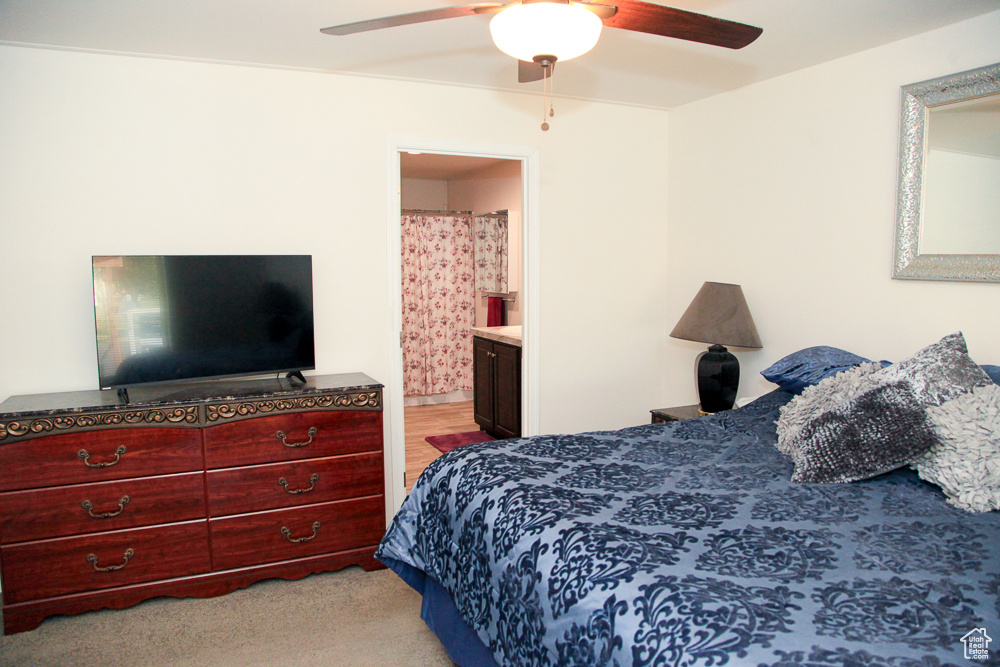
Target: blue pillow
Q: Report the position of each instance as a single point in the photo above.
(993, 372)
(809, 366)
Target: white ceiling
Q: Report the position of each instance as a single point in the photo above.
(625, 67)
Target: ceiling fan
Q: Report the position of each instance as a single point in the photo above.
(625, 14)
(540, 32)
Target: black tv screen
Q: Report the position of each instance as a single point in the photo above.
(170, 318)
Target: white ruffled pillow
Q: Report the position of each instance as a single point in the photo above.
(966, 463)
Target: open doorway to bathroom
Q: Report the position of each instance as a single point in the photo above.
(468, 206)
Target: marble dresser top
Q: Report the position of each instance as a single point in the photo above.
(509, 335)
(174, 395)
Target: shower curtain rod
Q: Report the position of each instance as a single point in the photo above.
(499, 213)
(422, 210)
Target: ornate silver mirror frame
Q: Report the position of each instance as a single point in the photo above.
(917, 100)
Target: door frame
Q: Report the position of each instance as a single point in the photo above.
(528, 156)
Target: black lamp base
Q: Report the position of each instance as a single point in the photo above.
(718, 379)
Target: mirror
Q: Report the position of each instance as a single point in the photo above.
(948, 199)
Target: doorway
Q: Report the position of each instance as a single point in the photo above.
(461, 251)
(451, 164)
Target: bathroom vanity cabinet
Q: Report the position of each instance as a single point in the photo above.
(497, 384)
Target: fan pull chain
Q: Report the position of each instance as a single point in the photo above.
(547, 94)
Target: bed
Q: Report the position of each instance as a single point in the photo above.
(688, 543)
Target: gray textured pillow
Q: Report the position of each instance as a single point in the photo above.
(874, 432)
(867, 421)
(966, 462)
(939, 372)
(832, 391)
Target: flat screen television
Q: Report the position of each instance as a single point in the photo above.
(174, 318)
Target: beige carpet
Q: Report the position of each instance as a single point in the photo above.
(351, 618)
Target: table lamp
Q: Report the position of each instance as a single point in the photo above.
(718, 315)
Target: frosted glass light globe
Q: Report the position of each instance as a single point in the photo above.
(545, 29)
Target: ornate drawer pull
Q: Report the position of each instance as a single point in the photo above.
(83, 454)
(92, 559)
(288, 533)
(312, 484)
(89, 506)
(280, 435)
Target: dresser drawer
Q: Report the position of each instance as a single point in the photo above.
(48, 568)
(276, 485)
(95, 456)
(90, 508)
(288, 437)
(278, 535)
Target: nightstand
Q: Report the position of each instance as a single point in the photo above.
(675, 414)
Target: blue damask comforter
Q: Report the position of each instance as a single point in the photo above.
(686, 544)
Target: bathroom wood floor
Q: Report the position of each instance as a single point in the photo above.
(421, 421)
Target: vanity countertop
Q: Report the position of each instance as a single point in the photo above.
(510, 335)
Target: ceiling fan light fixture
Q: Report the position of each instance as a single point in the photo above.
(563, 30)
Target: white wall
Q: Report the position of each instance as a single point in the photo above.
(424, 194)
(113, 154)
(788, 188)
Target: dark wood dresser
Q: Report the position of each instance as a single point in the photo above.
(192, 490)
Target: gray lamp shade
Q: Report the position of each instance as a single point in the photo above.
(718, 315)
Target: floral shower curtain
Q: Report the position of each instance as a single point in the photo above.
(490, 237)
(438, 303)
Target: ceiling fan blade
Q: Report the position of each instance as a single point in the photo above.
(415, 17)
(681, 24)
(528, 72)
(602, 11)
